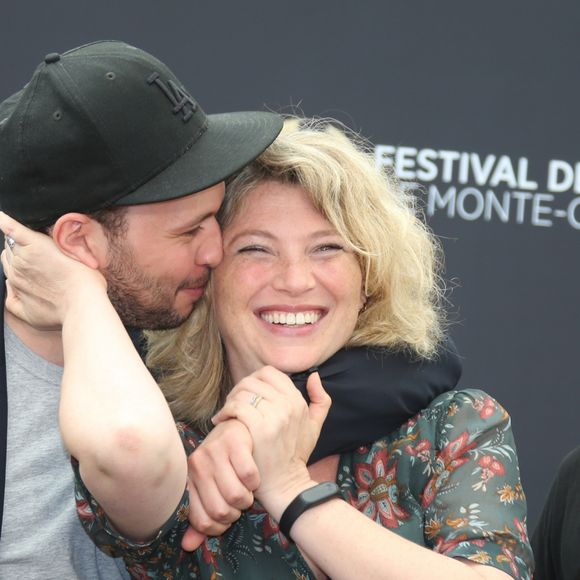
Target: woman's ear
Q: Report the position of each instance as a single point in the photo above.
(363, 302)
(82, 238)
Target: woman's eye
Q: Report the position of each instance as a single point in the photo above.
(251, 249)
(329, 248)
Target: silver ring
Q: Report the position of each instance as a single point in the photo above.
(10, 242)
(255, 400)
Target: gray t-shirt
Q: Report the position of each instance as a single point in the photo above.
(42, 537)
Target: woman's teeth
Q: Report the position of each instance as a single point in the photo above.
(290, 318)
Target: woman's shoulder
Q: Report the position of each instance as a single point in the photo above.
(466, 396)
(464, 415)
(467, 413)
(472, 405)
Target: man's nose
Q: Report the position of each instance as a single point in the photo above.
(210, 252)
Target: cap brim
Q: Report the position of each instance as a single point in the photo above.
(231, 141)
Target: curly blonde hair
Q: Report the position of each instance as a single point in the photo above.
(400, 260)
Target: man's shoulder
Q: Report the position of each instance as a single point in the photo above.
(569, 470)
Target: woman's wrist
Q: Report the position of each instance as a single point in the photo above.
(88, 288)
(308, 499)
(276, 501)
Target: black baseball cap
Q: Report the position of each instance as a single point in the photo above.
(109, 124)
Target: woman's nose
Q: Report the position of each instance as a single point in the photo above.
(294, 276)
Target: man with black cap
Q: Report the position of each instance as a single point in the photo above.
(105, 149)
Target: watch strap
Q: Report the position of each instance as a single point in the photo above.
(309, 498)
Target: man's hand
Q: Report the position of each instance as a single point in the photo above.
(222, 478)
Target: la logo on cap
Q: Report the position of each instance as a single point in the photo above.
(180, 100)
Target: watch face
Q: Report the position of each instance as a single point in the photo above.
(320, 492)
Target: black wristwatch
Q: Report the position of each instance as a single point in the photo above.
(304, 501)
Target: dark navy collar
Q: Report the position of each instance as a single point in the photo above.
(375, 390)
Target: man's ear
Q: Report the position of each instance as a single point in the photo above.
(81, 238)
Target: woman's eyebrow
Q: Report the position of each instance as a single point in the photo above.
(253, 232)
(271, 236)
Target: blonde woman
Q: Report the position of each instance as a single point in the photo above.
(323, 256)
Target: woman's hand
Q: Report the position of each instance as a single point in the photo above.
(40, 278)
(284, 430)
(222, 476)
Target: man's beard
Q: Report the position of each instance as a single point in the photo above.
(140, 300)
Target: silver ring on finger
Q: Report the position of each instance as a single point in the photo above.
(10, 242)
(255, 400)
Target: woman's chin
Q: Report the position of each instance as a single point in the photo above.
(297, 366)
(297, 360)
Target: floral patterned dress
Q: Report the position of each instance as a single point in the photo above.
(448, 479)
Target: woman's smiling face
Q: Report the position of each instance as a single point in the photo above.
(289, 290)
